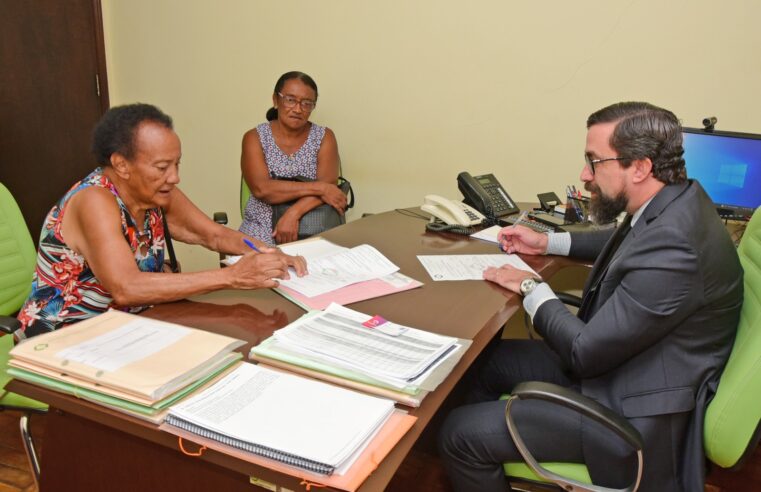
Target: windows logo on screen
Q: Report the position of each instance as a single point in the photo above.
(733, 175)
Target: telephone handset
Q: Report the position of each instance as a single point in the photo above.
(451, 212)
(486, 194)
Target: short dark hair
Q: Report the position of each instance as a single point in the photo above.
(115, 132)
(272, 112)
(646, 131)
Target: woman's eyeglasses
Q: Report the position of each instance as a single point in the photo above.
(306, 104)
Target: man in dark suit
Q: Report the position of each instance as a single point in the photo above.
(656, 325)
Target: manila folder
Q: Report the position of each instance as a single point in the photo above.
(133, 354)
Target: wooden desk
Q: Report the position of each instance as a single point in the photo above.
(88, 447)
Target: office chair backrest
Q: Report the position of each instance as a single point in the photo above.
(732, 419)
(17, 255)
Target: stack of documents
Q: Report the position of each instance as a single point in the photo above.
(341, 275)
(351, 348)
(324, 434)
(130, 363)
(276, 415)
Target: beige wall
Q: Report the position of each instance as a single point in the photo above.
(417, 91)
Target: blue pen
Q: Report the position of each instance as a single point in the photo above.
(251, 245)
(520, 219)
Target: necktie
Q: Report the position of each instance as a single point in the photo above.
(609, 252)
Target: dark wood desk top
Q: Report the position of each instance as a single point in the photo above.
(474, 310)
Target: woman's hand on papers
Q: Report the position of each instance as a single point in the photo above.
(259, 270)
(520, 239)
(298, 263)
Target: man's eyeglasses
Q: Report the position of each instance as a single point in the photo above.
(593, 162)
(306, 104)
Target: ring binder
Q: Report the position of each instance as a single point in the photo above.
(274, 454)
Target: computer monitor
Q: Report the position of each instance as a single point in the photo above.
(728, 165)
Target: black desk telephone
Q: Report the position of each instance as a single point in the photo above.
(486, 201)
(485, 194)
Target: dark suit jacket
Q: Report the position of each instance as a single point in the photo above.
(656, 336)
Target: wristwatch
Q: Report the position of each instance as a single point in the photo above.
(528, 285)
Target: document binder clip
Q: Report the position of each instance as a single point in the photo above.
(383, 326)
(188, 453)
(308, 485)
(374, 322)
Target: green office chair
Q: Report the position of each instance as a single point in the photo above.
(221, 217)
(17, 262)
(732, 423)
(245, 193)
(731, 428)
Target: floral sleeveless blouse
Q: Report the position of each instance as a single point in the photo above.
(64, 289)
(257, 217)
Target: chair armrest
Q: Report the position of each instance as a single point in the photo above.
(577, 402)
(220, 218)
(569, 299)
(9, 324)
(565, 298)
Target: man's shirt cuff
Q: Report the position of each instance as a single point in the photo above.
(541, 294)
(559, 243)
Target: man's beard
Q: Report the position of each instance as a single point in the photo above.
(603, 209)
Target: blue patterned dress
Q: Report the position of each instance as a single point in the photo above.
(257, 218)
(64, 289)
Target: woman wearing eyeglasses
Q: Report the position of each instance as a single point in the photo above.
(285, 146)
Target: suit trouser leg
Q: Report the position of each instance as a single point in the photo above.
(516, 361)
(474, 440)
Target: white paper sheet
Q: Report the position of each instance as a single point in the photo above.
(468, 267)
(489, 234)
(311, 248)
(331, 272)
(134, 341)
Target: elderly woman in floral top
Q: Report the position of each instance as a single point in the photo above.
(102, 245)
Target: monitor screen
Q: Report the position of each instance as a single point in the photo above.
(728, 165)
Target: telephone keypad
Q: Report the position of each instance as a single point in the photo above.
(486, 194)
(471, 215)
(497, 198)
